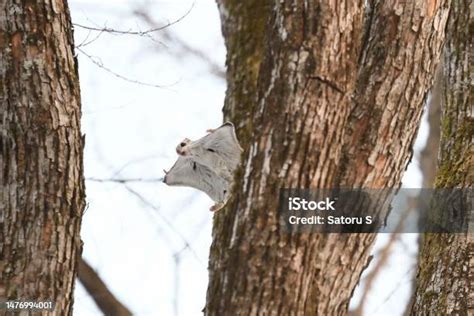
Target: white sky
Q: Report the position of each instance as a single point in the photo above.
(134, 128)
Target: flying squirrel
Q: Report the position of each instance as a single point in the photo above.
(208, 164)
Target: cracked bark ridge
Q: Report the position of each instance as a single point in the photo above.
(445, 272)
(336, 101)
(42, 186)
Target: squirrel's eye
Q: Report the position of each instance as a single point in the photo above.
(182, 144)
(211, 150)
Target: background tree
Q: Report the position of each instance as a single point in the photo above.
(99, 292)
(324, 95)
(444, 280)
(42, 184)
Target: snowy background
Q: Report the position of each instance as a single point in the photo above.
(147, 241)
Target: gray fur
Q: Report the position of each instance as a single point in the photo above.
(219, 150)
(188, 173)
(208, 164)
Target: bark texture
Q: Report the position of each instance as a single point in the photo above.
(445, 278)
(334, 100)
(42, 186)
(243, 26)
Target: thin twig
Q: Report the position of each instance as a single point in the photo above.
(132, 162)
(85, 42)
(96, 61)
(85, 39)
(187, 244)
(185, 48)
(133, 32)
(126, 180)
(397, 286)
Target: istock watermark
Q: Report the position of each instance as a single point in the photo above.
(296, 204)
(377, 210)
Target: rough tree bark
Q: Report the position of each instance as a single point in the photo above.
(42, 187)
(445, 277)
(324, 94)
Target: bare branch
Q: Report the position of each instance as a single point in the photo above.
(184, 47)
(126, 180)
(132, 162)
(105, 300)
(407, 274)
(85, 39)
(96, 61)
(135, 32)
(187, 244)
(86, 42)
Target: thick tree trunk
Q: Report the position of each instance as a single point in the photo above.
(42, 186)
(445, 277)
(324, 94)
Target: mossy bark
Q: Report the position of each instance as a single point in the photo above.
(243, 26)
(41, 183)
(445, 277)
(324, 94)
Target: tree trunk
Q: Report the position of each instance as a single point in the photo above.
(445, 277)
(42, 185)
(324, 95)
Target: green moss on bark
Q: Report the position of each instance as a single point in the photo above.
(456, 167)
